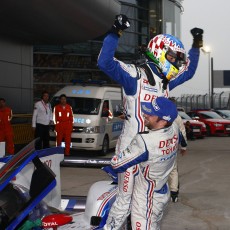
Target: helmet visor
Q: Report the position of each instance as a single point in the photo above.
(176, 58)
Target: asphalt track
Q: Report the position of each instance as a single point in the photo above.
(204, 174)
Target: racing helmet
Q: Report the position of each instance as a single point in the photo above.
(168, 54)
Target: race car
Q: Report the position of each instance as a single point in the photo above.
(30, 196)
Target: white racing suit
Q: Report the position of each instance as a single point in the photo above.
(136, 89)
(154, 155)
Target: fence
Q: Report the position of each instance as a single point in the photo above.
(189, 101)
(22, 128)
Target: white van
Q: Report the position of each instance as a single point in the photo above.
(94, 128)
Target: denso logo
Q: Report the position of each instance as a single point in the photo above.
(126, 181)
(167, 143)
(169, 146)
(149, 97)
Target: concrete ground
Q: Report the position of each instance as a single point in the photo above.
(204, 174)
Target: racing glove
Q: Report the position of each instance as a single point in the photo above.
(121, 23)
(197, 34)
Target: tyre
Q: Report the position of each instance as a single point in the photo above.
(105, 146)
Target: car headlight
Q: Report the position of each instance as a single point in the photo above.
(218, 125)
(203, 125)
(92, 129)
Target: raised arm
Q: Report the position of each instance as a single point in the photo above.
(193, 59)
(115, 69)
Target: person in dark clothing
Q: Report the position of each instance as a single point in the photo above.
(189, 132)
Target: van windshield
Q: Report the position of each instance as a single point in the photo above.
(81, 105)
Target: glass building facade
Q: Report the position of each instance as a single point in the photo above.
(57, 66)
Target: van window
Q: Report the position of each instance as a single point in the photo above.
(81, 105)
(117, 108)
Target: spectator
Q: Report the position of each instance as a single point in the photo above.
(42, 118)
(63, 119)
(106, 111)
(6, 131)
(189, 132)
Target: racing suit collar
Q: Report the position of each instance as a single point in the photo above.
(164, 129)
(155, 69)
(158, 72)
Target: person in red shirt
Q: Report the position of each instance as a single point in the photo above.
(6, 131)
(63, 119)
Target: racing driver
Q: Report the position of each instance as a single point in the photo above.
(153, 154)
(166, 66)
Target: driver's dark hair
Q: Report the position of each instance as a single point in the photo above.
(168, 124)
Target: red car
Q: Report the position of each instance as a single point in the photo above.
(198, 127)
(215, 124)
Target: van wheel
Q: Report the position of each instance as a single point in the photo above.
(105, 146)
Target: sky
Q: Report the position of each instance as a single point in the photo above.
(214, 18)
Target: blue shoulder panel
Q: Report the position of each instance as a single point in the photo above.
(112, 67)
